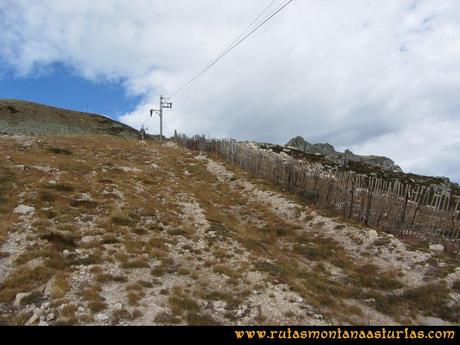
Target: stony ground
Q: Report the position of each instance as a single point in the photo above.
(98, 230)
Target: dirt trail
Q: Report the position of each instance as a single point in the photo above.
(146, 233)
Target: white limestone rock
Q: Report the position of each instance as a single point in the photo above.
(24, 209)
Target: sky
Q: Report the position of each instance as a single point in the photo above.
(62, 87)
(377, 77)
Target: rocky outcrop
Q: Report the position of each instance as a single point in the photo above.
(343, 158)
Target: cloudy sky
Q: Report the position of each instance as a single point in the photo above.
(378, 77)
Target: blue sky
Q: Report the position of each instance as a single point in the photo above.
(377, 77)
(61, 87)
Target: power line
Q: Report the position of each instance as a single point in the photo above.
(231, 47)
(252, 27)
(234, 45)
(249, 27)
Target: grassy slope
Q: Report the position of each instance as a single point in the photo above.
(149, 233)
(21, 117)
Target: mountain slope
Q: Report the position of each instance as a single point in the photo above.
(378, 166)
(343, 158)
(20, 117)
(101, 230)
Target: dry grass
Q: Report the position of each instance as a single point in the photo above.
(62, 239)
(136, 263)
(61, 187)
(429, 300)
(233, 300)
(60, 285)
(196, 319)
(123, 220)
(121, 315)
(227, 271)
(369, 275)
(104, 278)
(6, 225)
(131, 235)
(319, 248)
(19, 320)
(60, 151)
(92, 295)
(22, 280)
(167, 319)
(134, 298)
(68, 310)
(456, 285)
(48, 196)
(35, 297)
(180, 304)
(92, 259)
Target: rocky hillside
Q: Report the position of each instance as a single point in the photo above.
(103, 230)
(26, 118)
(343, 158)
(377, 166)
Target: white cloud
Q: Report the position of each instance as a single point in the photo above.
(367, 75)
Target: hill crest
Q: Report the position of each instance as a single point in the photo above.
(29, 118)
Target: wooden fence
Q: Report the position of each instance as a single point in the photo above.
(402, 209)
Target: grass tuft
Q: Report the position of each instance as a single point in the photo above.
(60, 151)
(122, 220)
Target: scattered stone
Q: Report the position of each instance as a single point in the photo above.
(41, 168)
(50, 317)
(45, 305)
(66, 252)
(130, 170)
(38, 311)
(23, 209)
(431, 321)
(85, 197)
(437, 248)
(101, 317)
(81, 309)
(88, 239)
(63, 320)
(51, 288)
(43, 323)
(34, 263)
(186, 173)
(372, 235)
(35, 317)
(118, 306)
(219, 305)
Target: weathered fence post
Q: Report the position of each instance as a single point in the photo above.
(352, 195)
